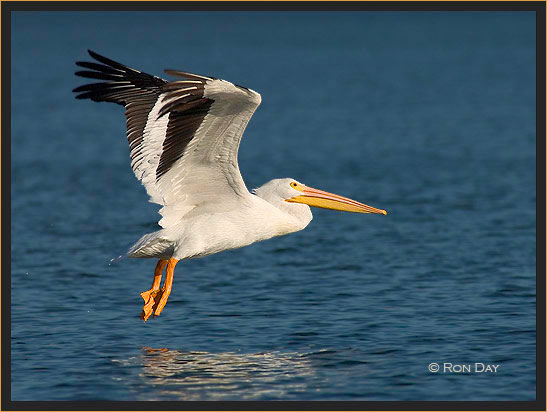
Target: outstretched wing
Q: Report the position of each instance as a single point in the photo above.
(183, 135)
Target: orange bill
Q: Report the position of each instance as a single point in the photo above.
(326, 200)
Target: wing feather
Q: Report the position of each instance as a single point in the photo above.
(183, 135)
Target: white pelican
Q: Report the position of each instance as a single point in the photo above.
(183, 140)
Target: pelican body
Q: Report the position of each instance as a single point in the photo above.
(183, 139)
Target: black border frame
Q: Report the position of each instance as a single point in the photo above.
(10, 6)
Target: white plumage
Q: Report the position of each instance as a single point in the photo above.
(184, 137)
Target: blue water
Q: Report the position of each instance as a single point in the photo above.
(430, 116)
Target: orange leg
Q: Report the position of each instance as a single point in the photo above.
(166, 290)
(149, 295)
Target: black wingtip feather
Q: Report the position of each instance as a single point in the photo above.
(98, 75)
(120, 83)
(109, 62)
(99, 67)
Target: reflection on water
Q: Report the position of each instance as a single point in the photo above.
(183, 375)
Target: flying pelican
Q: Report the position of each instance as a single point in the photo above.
(183, 139)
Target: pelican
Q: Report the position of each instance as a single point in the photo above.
(183, 140)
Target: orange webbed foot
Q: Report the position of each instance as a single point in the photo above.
(161, 301)
(156, 298)
(149, 302)
(166, 289)
(150, 295)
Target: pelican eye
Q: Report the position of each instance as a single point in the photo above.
(293, 184)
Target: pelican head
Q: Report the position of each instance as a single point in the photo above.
(290, 195)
